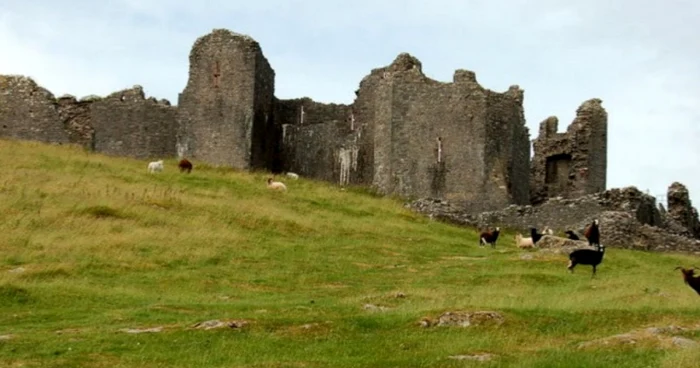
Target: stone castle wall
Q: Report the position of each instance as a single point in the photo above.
(124, 123)
(573, 163)
(405, 134)
(227, 102)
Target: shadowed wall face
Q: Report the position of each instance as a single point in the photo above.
(225, 110)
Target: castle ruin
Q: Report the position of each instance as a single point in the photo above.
(404, 134)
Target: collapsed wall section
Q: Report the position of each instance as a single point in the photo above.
(574, 163)
(225, 110)
(29, 112)
(126, 123)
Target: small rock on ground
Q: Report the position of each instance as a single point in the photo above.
(477, 357)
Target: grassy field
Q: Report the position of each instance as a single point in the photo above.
(92, 245)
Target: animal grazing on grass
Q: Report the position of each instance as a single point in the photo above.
(571, 235)
(589, 256)
(592, 233)
(276, 185)
(155, 166)
(535, 235)
(547, 231)
(292, 175)
(689, 278)
(523, 242)
(489, 237)
(185, 165)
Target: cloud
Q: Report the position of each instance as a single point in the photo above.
(639, 57)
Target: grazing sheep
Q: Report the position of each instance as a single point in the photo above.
(292, 175)
(690, 279)
(276, 185)
(155, 166)
(547, 231)
(535, 235)
(571, 235)
(185, 165)
(592, 233)
(489, 237)
(523, 242)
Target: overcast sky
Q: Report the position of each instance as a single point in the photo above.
(641, 57)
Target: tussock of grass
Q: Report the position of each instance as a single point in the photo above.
(91, 244)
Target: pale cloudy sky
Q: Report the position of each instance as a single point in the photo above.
(641, 57)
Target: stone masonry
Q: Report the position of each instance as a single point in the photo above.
(225, 111)
(124, 123)
(29, 112)
(573, 163)
(404, 134)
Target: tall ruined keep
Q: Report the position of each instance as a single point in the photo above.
(225, 111)
(573, 163)
(404, 133)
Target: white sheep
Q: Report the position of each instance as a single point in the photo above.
(292, 175)
(155, 166)
(547, 231)
(276, 185)
(523, 242)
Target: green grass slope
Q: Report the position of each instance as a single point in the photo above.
(91, 245)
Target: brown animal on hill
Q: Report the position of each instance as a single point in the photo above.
(489, 237)
(690, 279)
(592, 233)
(185, 165)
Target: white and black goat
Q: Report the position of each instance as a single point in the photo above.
(589, 256)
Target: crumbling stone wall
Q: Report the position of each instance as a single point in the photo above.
(628, 218)
(681, 214)
(75, 115)
(573, 163)
(319, 140)
(29, 112)
(226, 104)
(126, 123)
(428, 138)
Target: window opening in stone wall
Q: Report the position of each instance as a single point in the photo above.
(217, 73)
(439, 149)
(301, 115)
(352, 121)
(557, 169)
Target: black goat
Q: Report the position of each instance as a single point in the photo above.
(586, 257)
(571, 235)
(535, 236)
(690, 279)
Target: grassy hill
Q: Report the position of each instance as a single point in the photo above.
(92, 245)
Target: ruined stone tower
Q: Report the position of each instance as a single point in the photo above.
(225, 111)
(573, 163)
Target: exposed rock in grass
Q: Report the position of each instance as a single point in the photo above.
(372, 307)
(478, 357)
(215, 323)
(464, 319)
(654, 335)
(6, 337)
(142, 330)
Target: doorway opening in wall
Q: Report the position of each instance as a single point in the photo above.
(557, 173)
